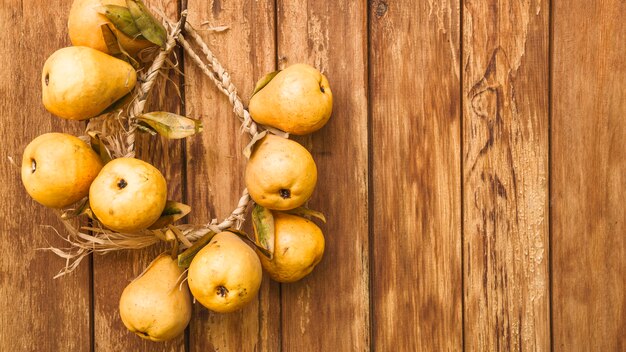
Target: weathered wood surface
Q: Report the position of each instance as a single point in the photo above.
(112, 273)
(215, 163)
(416, 176)
(588, 177)
(329, 310)
(37, 313)
(505, 175)
(472, 174)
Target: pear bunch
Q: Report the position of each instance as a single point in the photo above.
(281, 174)
(98, 74)
(127, 195)
(224, 273)
(82, 82)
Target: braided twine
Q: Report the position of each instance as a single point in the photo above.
(117, 133)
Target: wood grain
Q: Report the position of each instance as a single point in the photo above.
(436, 172)
(215, 163)
(415, 146)
(505, 183)
(329, 309)
(36, 310)
(589, 176)
(113, 272)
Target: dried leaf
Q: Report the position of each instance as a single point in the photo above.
(115, 48)
(82, 209)
(264, 232)
(263, 82)
(145, 128)
(110, 40)
(149, 27)
(122, 20)
(170, 125)
(306, 212)
(180, 235)
(247, 151)
(87, 211)
(244, 236)
(174, 252)
(79, 210)
(172, 212)
(99, 147)
(185, 258)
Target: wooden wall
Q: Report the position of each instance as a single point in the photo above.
(473, 175)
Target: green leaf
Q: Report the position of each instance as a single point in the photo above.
(263, 82)
(172, 212)
(185, 258)
(122, 20)
(98, 146)
(170, 125)
(306, 212)
(264, 232)
(149, 27)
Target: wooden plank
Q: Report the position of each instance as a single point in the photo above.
(416, 215)
(588, 176)
(29, 296)
(215, 163)
(113, 272)
(505, 184)
(329, 309)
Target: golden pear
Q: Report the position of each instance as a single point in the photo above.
(84, 27)
(128, 195)
(297, 100)
(156, 306)
(79, 82)
(226, 274)
(298, 248)
(58, 168)
(281, 174)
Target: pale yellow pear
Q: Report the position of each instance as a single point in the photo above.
(297, 100)
(128, 195)
(156, 306)
(84, 27)
(79, 82)
(298, 248)
(281, 174)
(226, 274)
(58, 168)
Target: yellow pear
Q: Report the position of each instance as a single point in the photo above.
(58, 168)
(281, 174)
(226, 274)
(156, 306)
(128, 195)
(298, 248)
(79, 82)
(297, 100)
(84, 27)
